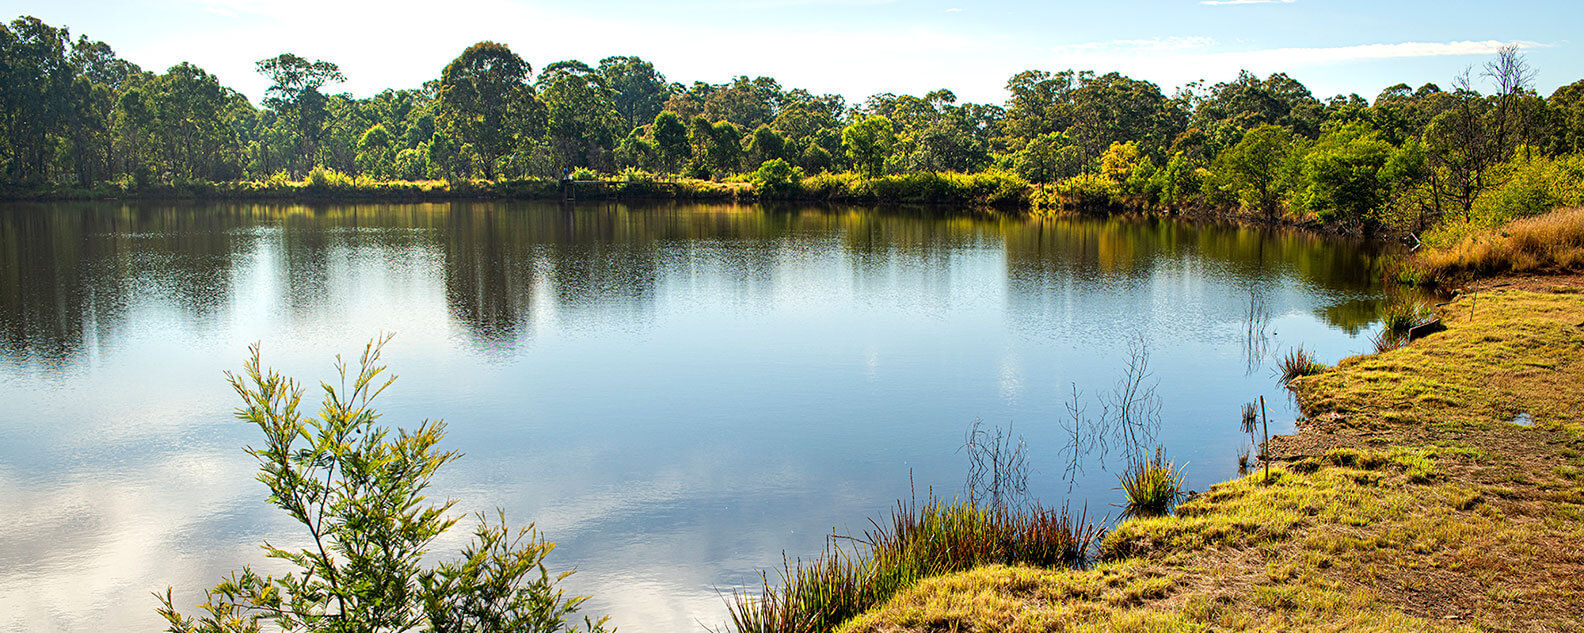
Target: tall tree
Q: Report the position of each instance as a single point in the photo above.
(480, 91)
(868, 143)
(639, 92)
(294, 92)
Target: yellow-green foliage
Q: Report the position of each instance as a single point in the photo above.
(1527, 187)
(993, 187)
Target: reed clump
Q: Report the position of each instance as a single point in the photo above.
(921, 540)
(1299, 362)
(1152, 485)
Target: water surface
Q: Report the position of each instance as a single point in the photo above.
(676, 394)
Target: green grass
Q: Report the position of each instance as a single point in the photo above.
(921, 540)
(1298, 363)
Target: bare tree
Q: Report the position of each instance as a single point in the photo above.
(1512, 76)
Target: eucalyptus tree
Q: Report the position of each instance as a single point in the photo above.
(582, 122)
(295, 93)
(637, 90)
(487, 102)
(1256, 172)
(670, 136)
(868, 143)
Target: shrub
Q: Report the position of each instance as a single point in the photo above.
(359, 493)
(776, 178)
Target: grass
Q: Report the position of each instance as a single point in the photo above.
(1152, 485)
(1548, 243)
(1408, 503)
(1298, 362)
(920, 541)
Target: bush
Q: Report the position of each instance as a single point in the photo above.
(359, 494)
(776, 178)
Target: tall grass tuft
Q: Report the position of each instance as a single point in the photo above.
(921, 540)
(1299, 362)
(1547, 243)
(1387, 340)
(1400, 316)
(1152, 485)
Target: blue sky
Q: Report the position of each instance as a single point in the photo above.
(852, 47)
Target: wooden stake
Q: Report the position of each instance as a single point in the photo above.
(1265, 447)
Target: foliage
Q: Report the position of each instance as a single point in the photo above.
(867, 143)
(1341, 174)
(485, 100)
(359, 492)
(776, 178)
(1257, 172)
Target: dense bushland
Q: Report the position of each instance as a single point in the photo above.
(78, 121)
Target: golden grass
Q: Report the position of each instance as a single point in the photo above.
(1409, 502)
(1547, 243)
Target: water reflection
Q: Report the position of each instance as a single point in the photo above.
(674, 392)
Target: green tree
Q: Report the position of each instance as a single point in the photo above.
(637, 90)
(294, 93)
(374, 156)
(670, 136)
(1256, 171)
(868, 142)
(1047, 158)
(583, 123)
(359, 493)
(486, 100)
(1341, 175)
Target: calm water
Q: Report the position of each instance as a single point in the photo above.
(676, 394)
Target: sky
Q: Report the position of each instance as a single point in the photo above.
(855, 48)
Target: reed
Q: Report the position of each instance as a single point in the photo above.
(1152, 485)
(920, 540)
(1297, 363)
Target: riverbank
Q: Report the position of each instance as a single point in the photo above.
(1408, 500)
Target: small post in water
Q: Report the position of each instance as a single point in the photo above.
(1265, 446)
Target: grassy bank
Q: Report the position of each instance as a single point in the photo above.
(1550, 243)
(1409, 500)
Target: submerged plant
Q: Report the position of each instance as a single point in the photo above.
(359, 492)
(1299, 362)
(1152, 485)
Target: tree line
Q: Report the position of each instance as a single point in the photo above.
(74, 113)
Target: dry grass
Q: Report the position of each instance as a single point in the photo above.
(1409, 501)
(1548, 243)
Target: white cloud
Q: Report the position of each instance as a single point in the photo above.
(1223, 2)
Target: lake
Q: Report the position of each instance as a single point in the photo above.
(675, 393)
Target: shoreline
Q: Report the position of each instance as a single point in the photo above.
(1408, 499)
